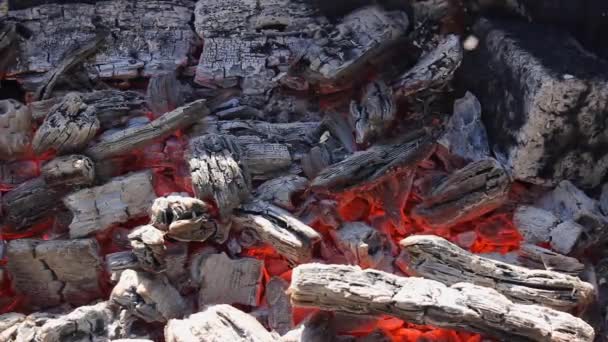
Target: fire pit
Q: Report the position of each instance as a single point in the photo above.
(291, 170)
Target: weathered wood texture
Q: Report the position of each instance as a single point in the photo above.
(39, 197)
(435, 258)
(218, 323)
(146, 38)
(219, 172)
(226, 281)
(536, 257)
(374, 113)
(421, 301)
(15, 129)
(541, 95)
(123, 198)
(165, 93)
(470, 192)
(266, 158)
(361, 244)
(279, 307)
(136, 137)
(148, 296)
(148, 245)
(281, 191)
(50, 273)
(278, 228)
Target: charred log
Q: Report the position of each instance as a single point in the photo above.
(149, 248)
(374, 113)
(281, 191)
(279, 308)
(15, 129)
(361, 244)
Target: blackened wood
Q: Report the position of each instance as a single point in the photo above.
(219, 172)
(119, 261)
(49, 273)
(470, 192)
(533, 256)
(282, 191)
(136, 137)
(361, 244)
(148, 296)
(317, 327)
(421, 301)
(373, 114)
(266, 158)
(165, 93)
(279, 308)
(118, 201)
(217, 323)
(327, 152)
(338, 125)
(148, 245)
(15, 129)
(13, 173)
(435, 258)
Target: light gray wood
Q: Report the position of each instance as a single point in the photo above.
(536, 257)
(217, 323)
(52, 272)
(148, 245)
(374, 113)
(139, 136)
(361, 244)
(279, 308)
(15, 129)
(9, 324)
(435, 258)
(68, 127)
(148, 296)
(338, 125)
(219, 172)
(277, 227)
(534, 224)
(468, 193)
(123, 198)
(422, 301)
(226, 281)
(281, 191)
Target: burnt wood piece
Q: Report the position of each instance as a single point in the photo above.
(148, 245)
(9, 38)
(165, 93)
(541, 95)
(282, 190)
(120, 261)
(341, 52)
(15, 172)
(317, 327)
(470, 192)
(327, 152)
(217, 323)
(147, 38)
(49, 273)
(366, 167)
(139, 136)
(279, 307)
(339, 127)
(118, 201)
(68, 127)
(9, 324)
(422, 301)
(184, 218)
(435, 258)
(40, 197)
(266, 158)
(536, 257)
(226, 281)
(148, 296)
(15, 129)
(361, 244)
(373, 114)
(288, 235)
(434, 69)
(112, 107)
(219, 171)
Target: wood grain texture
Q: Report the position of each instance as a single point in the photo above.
(279, 307)
(148, 245)
(373, 114)
(281, 191)
(15, 129)
(421, 301)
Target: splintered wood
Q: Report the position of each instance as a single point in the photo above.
(376, 111)
(15, 129)
(421, 301)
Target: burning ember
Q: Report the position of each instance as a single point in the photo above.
(286, 170)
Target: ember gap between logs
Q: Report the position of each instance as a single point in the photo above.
(303, 170)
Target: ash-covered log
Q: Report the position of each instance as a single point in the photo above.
(470, 192)
(218, 323)
(265, 158)
(280, 316)
(15, 129)
(277, 227)
(373, 113)
(421, 301)
(541, 95)
(40, 197)
(123, 198)
(435, 258)
(49, 273)
(165, 93)
(361, 244)
(533, 256)
(282, 190)
(139, 136)
(149, 248)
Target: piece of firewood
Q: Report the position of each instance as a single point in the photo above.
(536, 257)
(366, 167)
(49, 273)
(120, 261)
(361, 244)
(339, 127)
(265, 158)
(13, 173)
(327, 152)
(165, 93)
(292, 133)
(373, 114)
(348, 47)
(121, 199)
(184, 218)
(422, 301)
(470, 192)
(317, 327)
(39, 197)
(148, 296)
(68, 127)
(136, 137)
(9, 324)
(434, 69)
(281, 191)
(15, 129)
(435, 258)
(219, 172)
(217, 323)
(149, 247)
(226, 281)
(288, 235)
(279, 308)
